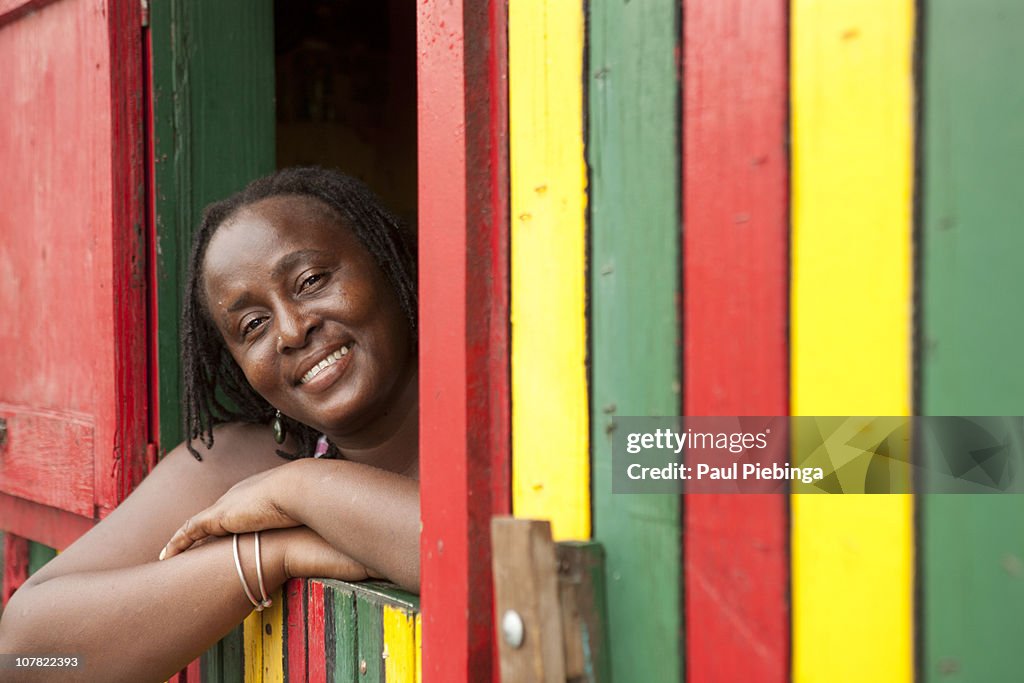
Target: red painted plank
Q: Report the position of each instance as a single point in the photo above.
(11, 10)
(735, 203)
(49, 526)
(122, 468)
(316, 641)
(464, 421)
(296, 619)
(15, 564)
(56, 447)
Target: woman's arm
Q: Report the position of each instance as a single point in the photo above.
(369, 514)
(130, 617)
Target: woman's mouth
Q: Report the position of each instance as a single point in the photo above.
(327, 362)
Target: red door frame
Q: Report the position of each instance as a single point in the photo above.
(464, 327)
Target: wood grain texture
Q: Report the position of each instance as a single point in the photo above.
(15, 567)
(548, 179)
(340, 628)
(316, 636)
(972, 162)
(852, 556)
(370, 639)
(48, 458)
(213, 117)
(735, 326)
(301, 620)
(252, 647)
(72, 130)
(273, 640)
(633, 154)
(463, 271)
(526, 583)
(56, 528)
(399, 645)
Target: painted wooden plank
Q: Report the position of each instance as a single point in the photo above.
(972, 156)
(736, 300)
(299, 619)
(214, 119)
(263, 634)
(463, 258)
(632, 150)
(370, 638)
(224, 662)
(252, 644)
(399, 645)
(852, 556)
(340, 627)
(273, 640)
(316, 638)
(419, 647)
(550, 422)
(56, 528)
(39, 555)
(15, 565)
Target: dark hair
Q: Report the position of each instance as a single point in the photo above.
(208, 367)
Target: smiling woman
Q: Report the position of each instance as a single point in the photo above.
(300, 319)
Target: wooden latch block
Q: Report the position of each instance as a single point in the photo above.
(549, 600)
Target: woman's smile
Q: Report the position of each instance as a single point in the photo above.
(329, 368)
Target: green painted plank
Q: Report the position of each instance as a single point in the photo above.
(370, 619)
(213, 84)
(225, 661)
(633, 154)
(342, 647)
(972, 154)
(38, 555)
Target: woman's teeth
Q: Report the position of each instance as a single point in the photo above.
(324, 364)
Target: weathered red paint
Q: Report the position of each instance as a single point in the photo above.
(295, 628)
(49, 526)
(15, 564)
(735, 203)
(316, 642)
(464, 420)
(73, 390)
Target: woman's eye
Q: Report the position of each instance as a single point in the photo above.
(251, 325)
(311, 281)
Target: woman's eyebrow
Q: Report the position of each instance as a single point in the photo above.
(289, 261)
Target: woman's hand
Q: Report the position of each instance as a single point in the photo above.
(253, 504)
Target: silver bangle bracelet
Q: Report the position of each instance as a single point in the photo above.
(241, 576)
(259, 575)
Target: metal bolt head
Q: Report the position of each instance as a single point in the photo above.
(362, 667)
(512, 629)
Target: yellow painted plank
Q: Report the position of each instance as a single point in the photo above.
(273, 640)
(400, 643)
(419, 647)
(852, 97)
(263, 647)
(252, 647)
(550, 446)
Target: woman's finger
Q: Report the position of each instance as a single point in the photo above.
(192, 531)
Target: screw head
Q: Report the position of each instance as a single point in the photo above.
(512, 629)
(362, 667)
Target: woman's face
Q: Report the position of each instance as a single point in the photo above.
(307, 314)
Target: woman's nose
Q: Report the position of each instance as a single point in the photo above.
(294, 326)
